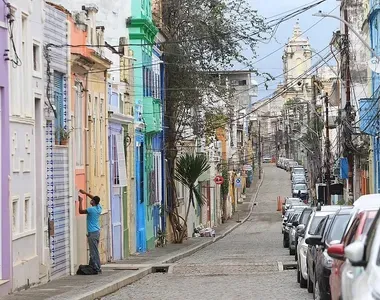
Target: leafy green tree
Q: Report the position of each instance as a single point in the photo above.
(203, 37)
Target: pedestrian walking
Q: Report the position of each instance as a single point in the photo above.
(93, 228)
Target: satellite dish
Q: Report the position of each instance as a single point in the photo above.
(374, 65)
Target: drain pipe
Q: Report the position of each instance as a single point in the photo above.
(71, 160)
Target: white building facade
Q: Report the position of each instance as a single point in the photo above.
(27, 96)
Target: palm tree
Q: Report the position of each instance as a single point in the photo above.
(189, 168)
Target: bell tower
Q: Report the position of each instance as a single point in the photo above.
(296, 58)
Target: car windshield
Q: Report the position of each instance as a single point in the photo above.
(314, 223)
(294, 217)
(292, 200)
(305, 216)
(338, 227)
(298, 171)
(299, 187)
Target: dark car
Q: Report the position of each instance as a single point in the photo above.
(293, 216)
(329, 231)
(288, 223)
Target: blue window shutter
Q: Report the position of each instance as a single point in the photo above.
(367, 113)
(58, 98)
(344, 168)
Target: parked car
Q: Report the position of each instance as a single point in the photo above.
(288, 220)
(302, 188)
(267, 160)
(344, 273)
(360, 225)
(329, 231)
(290, 164)
(365, 255)
(287, 216)
(292, 218)
(293, 233)
(303, 219)
(289, 202)
(299, 180)
(302, 248)
(297, 170)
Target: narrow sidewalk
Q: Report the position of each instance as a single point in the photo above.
(119, 274)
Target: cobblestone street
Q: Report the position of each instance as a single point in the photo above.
(243, 265)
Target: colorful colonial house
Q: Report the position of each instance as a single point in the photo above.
(5, 224)
(142, 32)
(119, 147)
(57, 134)
(27, 187)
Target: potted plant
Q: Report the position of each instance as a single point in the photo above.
(62, 136)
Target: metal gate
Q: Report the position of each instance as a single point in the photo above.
(59, 217)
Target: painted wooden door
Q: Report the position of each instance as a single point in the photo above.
(116, 207)
(1, 178)
(140, 206)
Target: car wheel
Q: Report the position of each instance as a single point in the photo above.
(291, 251)
(298, 275)
(309, 284)
(295, 255)
(317, 294)
(285, 242)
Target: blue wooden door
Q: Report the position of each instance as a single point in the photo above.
(140, 206)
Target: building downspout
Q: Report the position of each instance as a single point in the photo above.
(71, 162)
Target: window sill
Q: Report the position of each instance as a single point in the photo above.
(22, 235)
(37, 74)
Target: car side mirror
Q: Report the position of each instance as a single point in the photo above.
(336, 251)
(314, 240)
(355, 254)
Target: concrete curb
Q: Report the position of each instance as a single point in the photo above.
(114, 286)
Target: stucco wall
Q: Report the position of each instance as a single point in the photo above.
(22, 135)
(5, 225)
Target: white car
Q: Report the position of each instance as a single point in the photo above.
(349, 272)
(314, 220)
(364, 254)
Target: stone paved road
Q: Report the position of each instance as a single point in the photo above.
(243, 265)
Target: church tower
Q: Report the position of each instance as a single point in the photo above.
(297, 61)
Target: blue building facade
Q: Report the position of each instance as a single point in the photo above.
(370, 115)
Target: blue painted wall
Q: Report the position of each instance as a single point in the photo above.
(374, 21)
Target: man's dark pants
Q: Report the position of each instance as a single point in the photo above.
(93, 244)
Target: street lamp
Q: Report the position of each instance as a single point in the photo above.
(324, 15)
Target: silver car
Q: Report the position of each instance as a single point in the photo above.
(300, 190)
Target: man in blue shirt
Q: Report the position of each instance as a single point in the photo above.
(93, 228)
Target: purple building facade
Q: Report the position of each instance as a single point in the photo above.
(5, 224)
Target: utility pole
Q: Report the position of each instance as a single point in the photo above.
(276, 140)
(260, 158)
(348, 109)
(314, 127)
(327, 154)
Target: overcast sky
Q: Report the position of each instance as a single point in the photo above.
(319, 35)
